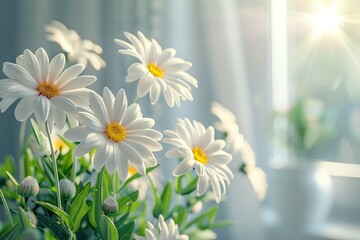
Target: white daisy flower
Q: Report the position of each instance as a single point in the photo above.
(239, 145)
(44, 88)
(199, 151)
(227, 124)
(118, 132)
(257, 178)
(256, 175)
(158, 70)
(164, 231)
(78, 50)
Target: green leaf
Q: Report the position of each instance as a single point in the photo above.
(126, 230)
(28, 159)
(60, 213)
(132, 197)
(24, 219)
(95, 211)
(190, 187)
(12, 234)
(180, 213)
(12, 178)
(7, 165)
(166, 199)
(223, 223)
(55, 227)
(137, 175)
(38, 136)
(48, 169)
(205, 220)
(178, 182)
(107, 228)
(79, 207)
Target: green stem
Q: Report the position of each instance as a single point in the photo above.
(114, 184)
(56, 174)
(7, 210)
(135, 99)
(100, 191)
(21, 148)
(74, 168)
(153, 188)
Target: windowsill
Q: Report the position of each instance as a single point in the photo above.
(330, 231)
(338, 230)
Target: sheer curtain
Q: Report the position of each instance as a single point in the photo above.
(207, 33)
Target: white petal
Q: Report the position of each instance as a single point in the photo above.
(183, 167)
(109, 99)
(41, 107)
(43, 60)
(79, 82)
(32, 65)
(99, 108)
(24, 109)
(144, 86)
(120, 105)
(112, 159)
(6, 103)
(132, 112)
(77, 134)
(99, 158)
(69, 74)
(63, 104)
(16, 72)
(203, 184)
(154, 93)
(215, 187)
(56, 67)
(123, 168)
(89, 120)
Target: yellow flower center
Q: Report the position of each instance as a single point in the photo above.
(155, 70)
(48, 89)
(115, 132)
(59, 144)
(199, 155)
(132, 170)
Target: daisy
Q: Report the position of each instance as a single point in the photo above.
(44, 88)
(239, 145)
(118, 132)
(257, 178)
(77, 49)
(227, 125)
(199, 151)
(158, 70)
(164, 231)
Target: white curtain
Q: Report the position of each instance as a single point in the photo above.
(207, 33)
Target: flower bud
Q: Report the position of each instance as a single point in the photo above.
(197, 207)
(110, 205)
(28, 187)
(32, 218)
(67, 189)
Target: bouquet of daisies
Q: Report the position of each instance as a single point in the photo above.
(88, 168)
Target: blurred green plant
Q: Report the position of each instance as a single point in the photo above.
(305, 127)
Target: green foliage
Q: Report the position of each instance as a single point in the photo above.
(107, 228)
(60, 213)
(79, 207)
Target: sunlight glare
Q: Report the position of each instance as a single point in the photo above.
(327, 20)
